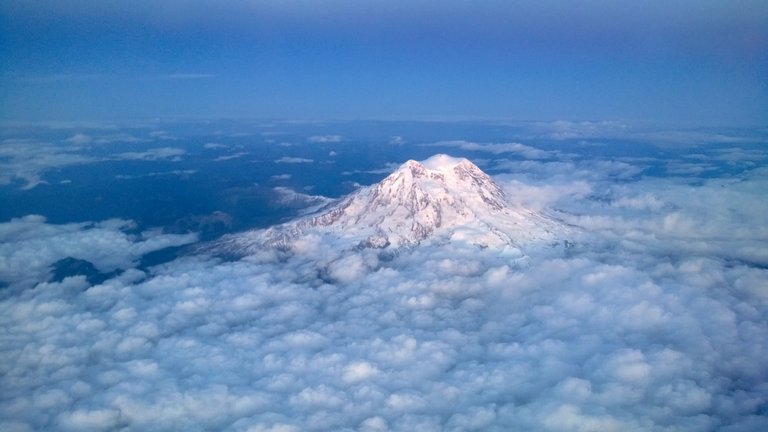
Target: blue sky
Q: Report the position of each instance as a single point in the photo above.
(699, 62)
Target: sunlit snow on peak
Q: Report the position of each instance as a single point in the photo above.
(453, 201)
(442, 162)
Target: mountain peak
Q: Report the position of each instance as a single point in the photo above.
(442, 198)
(439, 179)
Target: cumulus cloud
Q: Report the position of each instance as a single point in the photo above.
(716, 219)
(293, 160)
(29, 246)
(654, 320)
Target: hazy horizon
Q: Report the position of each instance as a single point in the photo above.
(691, 62)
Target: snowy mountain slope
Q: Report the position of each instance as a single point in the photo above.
(441, 199)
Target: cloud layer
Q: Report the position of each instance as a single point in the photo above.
(28, 160)
(29, 246)
(654, 320)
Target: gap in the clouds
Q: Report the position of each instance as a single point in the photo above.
(68, 267)
(162, 256)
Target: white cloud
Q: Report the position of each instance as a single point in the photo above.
(544, 196)
(525, 151)
(293, 160)
(29, 246)
(325, 138)
(85, 420)
(27, 160)
(161, 135)
(564, 129)
(79, 139)
(287, 197)
(159, 153)
(359, 371)
(181, 173)
(388, 168)
(232, 156)
(348, 269)
(634, 131)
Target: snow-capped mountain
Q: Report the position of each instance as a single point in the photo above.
(440, 199)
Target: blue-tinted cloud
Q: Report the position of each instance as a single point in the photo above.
(29, 247)
(158, 153)
(293, 160)
(25, 160)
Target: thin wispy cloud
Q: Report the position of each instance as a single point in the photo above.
(293, 160)
(27, 160)
(325, 139)
(159, 153)
(523, 150)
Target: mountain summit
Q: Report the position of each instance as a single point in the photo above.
(439, 199)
